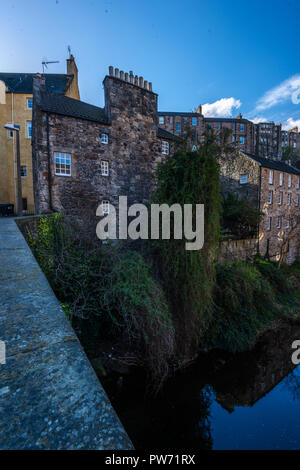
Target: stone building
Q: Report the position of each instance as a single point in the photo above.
(268, 140)
(182, 124)
(84, 156)
(16, 102)
(274, 188)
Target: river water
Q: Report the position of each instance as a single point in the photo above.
(223, 401)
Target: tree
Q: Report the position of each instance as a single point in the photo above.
(240, 217)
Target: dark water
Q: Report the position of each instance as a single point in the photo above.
(242, 401)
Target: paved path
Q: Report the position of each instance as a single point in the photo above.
(50, 397)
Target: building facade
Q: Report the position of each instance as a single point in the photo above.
(274, 188)
(85, 156)
(16, 103)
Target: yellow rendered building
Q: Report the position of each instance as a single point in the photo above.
(16, 108)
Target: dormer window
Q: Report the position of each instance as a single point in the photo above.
(165, 148)
(104, 138)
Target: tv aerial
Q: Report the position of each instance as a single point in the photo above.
(46, 62)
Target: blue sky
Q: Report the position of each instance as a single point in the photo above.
(230, 56)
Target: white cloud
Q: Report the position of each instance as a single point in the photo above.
(279, 94)
(258, 119)
(221, 108)
(290, 123)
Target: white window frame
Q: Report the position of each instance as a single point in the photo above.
(269, 223)
(165, 147)
(27, 100)
(271, 177)
(298, 182)
(10, 134)
(29, 126)
(287, 223)
(161, 120)
(280, 179)
(289, 199)
(105, 207)
(244, 179)
(63, 158)
(280, 198)
(270, 197)
(104, 167)
(297, 200)
(290, 181)
(104, 138)
(279, 221)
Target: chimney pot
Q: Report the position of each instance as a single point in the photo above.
(131, 76)
(111, 70)
(150, 86)
(122, 75)
(141, 81)
(136, 80)
(117, 73)
(126, 77)
(146, 84)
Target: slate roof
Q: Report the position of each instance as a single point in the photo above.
(171, 113)
(22, 82)
(60, 104)
(273, 164)
(217, 119)
(163, 134)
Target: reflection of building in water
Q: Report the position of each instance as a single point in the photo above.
(253, 375)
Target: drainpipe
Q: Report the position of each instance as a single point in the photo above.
(49, 164)
(14, 152)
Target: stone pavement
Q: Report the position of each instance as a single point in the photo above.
(50, 396)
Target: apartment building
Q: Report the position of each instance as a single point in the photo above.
(183, 124)
(16, 103)
(274, 188)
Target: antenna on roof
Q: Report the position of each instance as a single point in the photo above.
(46, 62)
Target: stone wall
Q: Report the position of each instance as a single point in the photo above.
(232, 166)
(238, 249)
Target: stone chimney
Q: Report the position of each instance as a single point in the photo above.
(128, 94)
(239, 116)
(199, 109)
(73, 90)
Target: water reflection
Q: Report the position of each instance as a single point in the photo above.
(243, 401)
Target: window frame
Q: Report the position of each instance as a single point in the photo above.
(245, 175)
(104, 167)
(165, 147)
(271, 176)
(104, 138)
(22, 170)
(281, 179)
(59, 155)
(270, 197)
(104, 203)
(29, 99)
(161, 120)
(27, 129)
